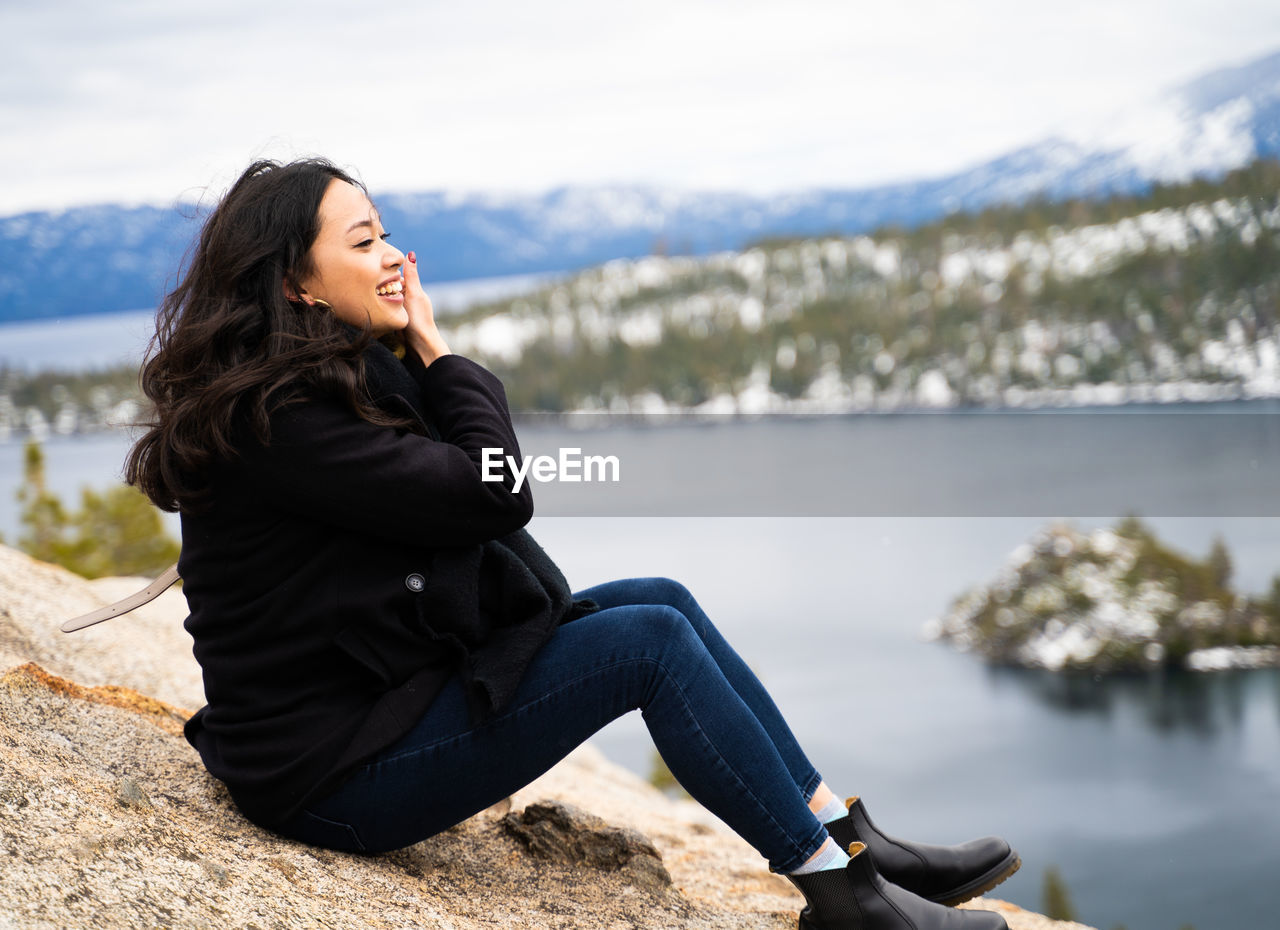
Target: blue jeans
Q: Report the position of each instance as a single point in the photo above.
(650, 647)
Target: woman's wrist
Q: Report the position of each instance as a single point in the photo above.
(427, 343)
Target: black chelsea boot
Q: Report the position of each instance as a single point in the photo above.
(858, 898)
(944, 874)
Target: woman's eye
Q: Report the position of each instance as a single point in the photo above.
(385, 236)
(364, 244)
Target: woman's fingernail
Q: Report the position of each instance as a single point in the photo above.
(413, 258)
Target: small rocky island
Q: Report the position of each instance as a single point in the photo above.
(1113, 600)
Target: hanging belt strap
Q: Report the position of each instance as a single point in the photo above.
(145, 596)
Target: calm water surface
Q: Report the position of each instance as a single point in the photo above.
(1157, 798)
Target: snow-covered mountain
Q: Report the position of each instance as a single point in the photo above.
(1219, 121)
(1206, 127)
(106, 258)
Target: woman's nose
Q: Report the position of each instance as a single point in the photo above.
(393, 258)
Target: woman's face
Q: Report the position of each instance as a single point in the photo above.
(354, 269)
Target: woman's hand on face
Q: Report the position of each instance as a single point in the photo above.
(416, 302)
(421, 333)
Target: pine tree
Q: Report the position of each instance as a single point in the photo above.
(1219, 562)
(118, 532)
(1057, 902)
(115, 532)
(43, 515)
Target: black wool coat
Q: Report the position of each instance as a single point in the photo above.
(346, 571)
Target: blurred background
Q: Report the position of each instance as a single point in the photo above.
(937, 345)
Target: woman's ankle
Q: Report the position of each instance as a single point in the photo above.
(828, 856)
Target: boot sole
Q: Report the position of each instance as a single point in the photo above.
(983, 883)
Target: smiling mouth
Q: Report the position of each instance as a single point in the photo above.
(393, 289)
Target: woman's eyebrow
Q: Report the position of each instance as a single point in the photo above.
(369, 222)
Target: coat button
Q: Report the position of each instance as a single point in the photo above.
(415, 582)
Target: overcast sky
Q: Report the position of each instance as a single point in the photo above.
(156, 100)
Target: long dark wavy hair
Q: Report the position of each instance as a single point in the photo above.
(230, 347)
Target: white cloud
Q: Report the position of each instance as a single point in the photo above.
(152, 101)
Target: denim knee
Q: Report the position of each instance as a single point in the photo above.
(667, 626)
(669, 591)
(674, 594)
(636, 592)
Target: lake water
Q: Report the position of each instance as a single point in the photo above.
(1158, 798)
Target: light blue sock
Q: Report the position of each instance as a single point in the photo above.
(830, 856)
(832, 810)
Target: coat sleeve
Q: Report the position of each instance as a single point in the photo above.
(329, 465)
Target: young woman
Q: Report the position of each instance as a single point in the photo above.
(385, 650)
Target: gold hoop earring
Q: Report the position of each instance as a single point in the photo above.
(322, 304)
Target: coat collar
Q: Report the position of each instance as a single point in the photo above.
(392, 388)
